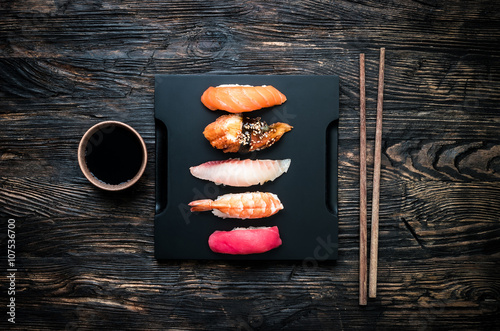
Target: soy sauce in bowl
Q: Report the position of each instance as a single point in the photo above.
(112, 155)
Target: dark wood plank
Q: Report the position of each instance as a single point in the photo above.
(411, 112)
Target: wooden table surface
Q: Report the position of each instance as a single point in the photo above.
(84, 257)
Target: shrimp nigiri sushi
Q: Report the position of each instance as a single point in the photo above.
(240, 205)
(245, 240)
(235, 133)
(241, 98)
(241, 173)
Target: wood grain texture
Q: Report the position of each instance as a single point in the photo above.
(85, 257)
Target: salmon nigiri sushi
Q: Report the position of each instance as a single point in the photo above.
(241, 173)
(245, 240)
(241, 98)
(240, 205)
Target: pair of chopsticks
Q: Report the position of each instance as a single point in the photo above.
(363, 275)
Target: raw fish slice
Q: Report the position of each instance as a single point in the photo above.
(240, 205)
(234, 133)
(245, 240)
(241, 173)
(241, 98)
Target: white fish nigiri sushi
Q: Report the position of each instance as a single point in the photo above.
(241, 173)
(245, 240)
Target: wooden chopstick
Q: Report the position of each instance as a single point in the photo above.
(363, 276)
(376, 181)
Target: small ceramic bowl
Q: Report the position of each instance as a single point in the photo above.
(83, 163)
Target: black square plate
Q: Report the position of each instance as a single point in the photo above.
(308, 224)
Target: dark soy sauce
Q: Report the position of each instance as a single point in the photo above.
(114, 155)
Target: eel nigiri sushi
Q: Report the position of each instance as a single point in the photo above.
(240, 205)
(234, 133)
(241, 173)
(245, 240)
(241, 98)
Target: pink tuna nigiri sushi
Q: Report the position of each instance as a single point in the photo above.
(241, 98)
(241, 173)
(245, 240)
(240, 205)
